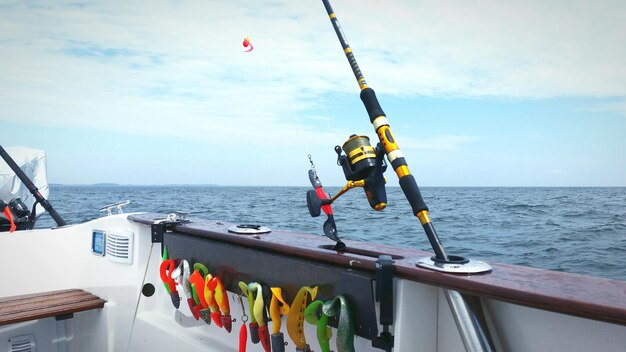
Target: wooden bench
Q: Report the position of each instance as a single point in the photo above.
(59, 304)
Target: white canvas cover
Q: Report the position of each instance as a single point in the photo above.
(33, 163)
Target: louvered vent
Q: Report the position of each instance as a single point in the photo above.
(24, 343)
(119, 246)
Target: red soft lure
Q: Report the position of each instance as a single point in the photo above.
(165, 270)
(264, 336)
(243, 338)
(7, 213)
(248, 45)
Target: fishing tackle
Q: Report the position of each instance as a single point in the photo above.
(471, 329)
(182, 273)
(246, 43)
(39, 199)
(7, 212)
(295, 318)
(339, 307)
(243, 332)
(209, 297)
(166, 270)
(317, 200)
(361, 162)
(314, 315)
(388, 144)
(164, 257)
(259, 314)
(278, 308)
(197, 287)
(363, 166)
(253, 325)
(222, 301)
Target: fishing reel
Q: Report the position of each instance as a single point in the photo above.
(363, 166)
(16, 213)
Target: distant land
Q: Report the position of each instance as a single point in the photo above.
(133, 185)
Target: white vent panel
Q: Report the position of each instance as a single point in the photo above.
(24, 343)
(119, 245)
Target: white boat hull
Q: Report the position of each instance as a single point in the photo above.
(46, 260)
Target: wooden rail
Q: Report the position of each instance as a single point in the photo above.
(60, 304)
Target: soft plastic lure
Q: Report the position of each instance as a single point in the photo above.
(222, 301)
(339, 307)
(164, 257)
(166, 270)
(278, 308)
(197, 287)
(254, 326)
(313, 315)
(7, 212)
(295, 319)
(182, 274)
(246, 44)
(209, 297)
(243, 332)
(259, 314)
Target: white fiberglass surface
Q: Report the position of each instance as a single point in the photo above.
(58, 259)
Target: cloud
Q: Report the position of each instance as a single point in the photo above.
(616, 107)
(521, 49)
(178, 68)
(439, 143)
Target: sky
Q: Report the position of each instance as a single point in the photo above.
(480, 93)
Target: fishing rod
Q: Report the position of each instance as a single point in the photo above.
(389, 143)
(32, 188)
(363, 166)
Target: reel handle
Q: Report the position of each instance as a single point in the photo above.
(315, 203)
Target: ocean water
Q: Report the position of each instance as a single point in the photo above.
(578, 230)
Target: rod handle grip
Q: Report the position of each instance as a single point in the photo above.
(368, 97)
(413, 194)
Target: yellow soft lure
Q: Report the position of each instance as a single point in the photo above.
(295, 319)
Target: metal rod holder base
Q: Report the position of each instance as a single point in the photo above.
(466, 266)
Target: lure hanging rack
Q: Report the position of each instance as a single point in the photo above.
(231, 263)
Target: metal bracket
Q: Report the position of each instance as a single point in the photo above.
(384, 295)
(159, 227)
(157, 232)
(119, 205)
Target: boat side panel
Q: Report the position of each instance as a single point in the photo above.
(528, 329)
(416, 316)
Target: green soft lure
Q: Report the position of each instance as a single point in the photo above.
(339, 307)
(244, 290)
(313, 315)
(165, 257)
